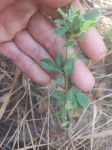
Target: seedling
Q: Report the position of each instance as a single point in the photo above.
(72, 26)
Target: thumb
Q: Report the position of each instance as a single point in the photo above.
(54, 4)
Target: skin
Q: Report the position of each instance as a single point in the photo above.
(27, 36)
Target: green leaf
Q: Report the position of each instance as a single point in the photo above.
(82, 99)
(60, 22)
(71, 97)
(58, 114)
(88, 24)
(68, 106)
(60, 60)
(70, 84)
(69, 66)
(58, 79)
(92, 14)
(69, 43)
(73, 113)
(65, 124)
(71, 14)
(81, 55)
(47, 64)
(77, 22)
(64, 113)
(59, 96)
(61, 12)
(62, 30)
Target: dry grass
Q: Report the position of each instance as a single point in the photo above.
(28, 110)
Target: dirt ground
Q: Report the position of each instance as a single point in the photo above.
(28, 111)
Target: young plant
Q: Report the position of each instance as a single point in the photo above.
(72, 25)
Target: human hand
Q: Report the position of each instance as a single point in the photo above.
(38, 39)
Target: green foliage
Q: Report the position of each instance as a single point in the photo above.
(58, 79)
(60, 99)
(49, 65)
(81, 98)
(93, 14)
(69, 66)
(60, 22)
(62, 30)
(81, 55)
(59, 96)
(72, 25)
(60, 60)
(62, 13)
(70, 84)
(75, 23)
(69, 43)
(71, 98)
(76, 97)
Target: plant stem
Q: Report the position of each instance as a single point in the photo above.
(66, 74)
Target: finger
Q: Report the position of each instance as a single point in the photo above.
(5, 3)
(50, 11)
(92, 43)
(82, 77)
(26, 64)
(47, 37)
(15, 17)
(30, 47)
(54, 4)
(43, 31)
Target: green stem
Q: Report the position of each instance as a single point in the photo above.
(66, 74)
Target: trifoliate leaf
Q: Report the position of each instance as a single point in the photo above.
(58, 79)
(71, 14)
(60, 22)
(59, 95)
(60, 60)
(68, 105)
(82, 99)
(93, 14)
(71, 97)
(69, 43)
(69, 66)
(62, 30)
(61, 12)
(77, 22)
(47, 64)
(88, 24)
